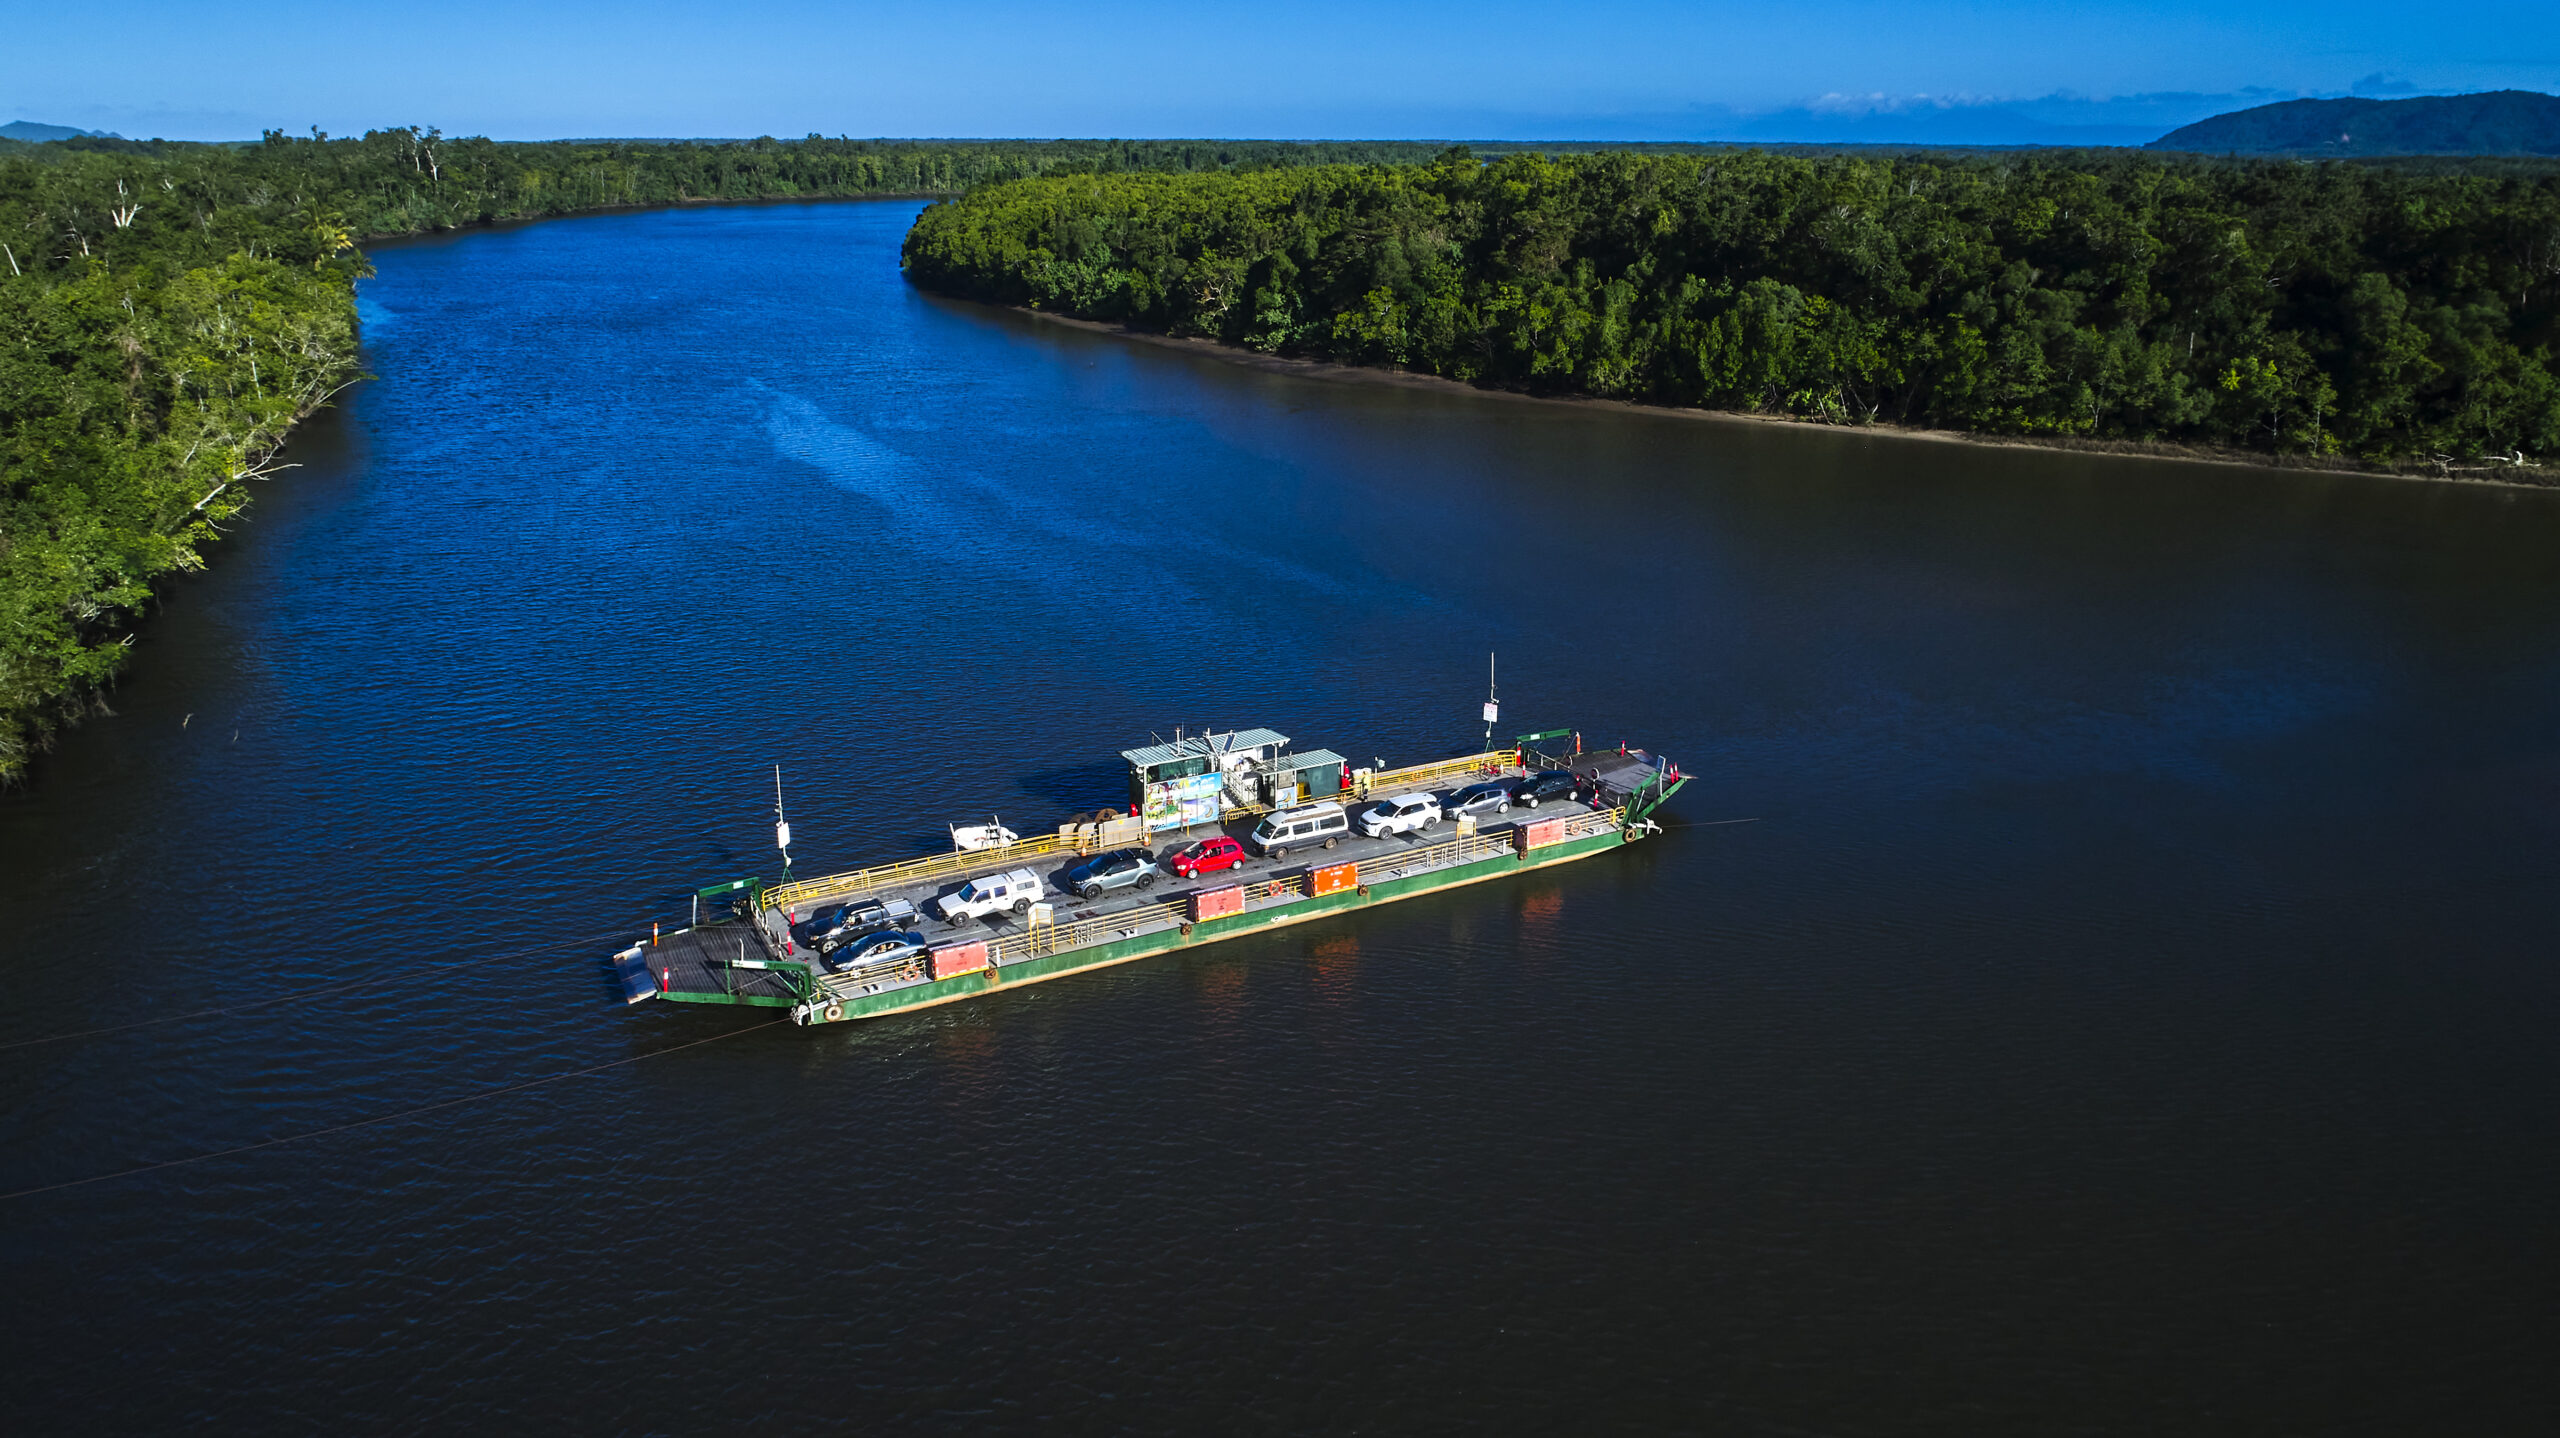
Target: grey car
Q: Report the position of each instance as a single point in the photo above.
(1478, 799)
(1118, 869)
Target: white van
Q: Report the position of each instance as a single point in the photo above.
(1286, 829)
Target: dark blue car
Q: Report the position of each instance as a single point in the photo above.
(880, 948)
(1551, 784)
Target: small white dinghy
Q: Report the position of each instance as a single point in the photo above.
(969, 838)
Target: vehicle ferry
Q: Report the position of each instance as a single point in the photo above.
(1227, 834)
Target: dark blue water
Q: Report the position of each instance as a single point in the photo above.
(2133, 1010)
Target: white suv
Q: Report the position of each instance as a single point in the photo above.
(1403, 814)
(989, 893)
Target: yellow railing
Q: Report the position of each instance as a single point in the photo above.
(800, 895)
(1263, 891)
(1396, 781)
(1465, 849)
(1468, 848)
(1583, 826)
(1430, 776)
(803, 893)
(1166, 913)
(1082, 932)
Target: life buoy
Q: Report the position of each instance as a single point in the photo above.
(835, 1013)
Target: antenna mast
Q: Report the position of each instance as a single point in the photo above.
(1492, 709)
(781, 828)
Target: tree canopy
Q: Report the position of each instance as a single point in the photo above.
(169, 311)
(2278, 306)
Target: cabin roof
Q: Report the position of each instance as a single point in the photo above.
(1307, 759)
(1202, 746)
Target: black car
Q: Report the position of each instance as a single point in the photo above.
(880, 948)
(835, 925)
(1551, 784)
(1119, 869)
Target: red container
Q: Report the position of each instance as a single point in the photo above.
(1540, 834)
(1217, 903)
(960, 959)
(1334, 878)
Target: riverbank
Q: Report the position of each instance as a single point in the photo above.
(2521, 477)
(143, 447)
(428, 234)
(2085, 298)
(122, 408)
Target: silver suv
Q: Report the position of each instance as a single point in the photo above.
(1119, 869)
(1403, 814)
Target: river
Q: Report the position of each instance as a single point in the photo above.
(2129, 1008)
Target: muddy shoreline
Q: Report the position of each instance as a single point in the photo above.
(2129, 449)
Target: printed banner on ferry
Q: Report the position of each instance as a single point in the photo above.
(1180, 803)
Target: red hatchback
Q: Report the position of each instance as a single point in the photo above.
(1206, 857)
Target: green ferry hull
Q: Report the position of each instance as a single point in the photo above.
(1060, 965)
(757, 959)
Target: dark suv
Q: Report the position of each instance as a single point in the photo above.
(1119, 869)
(835, 925)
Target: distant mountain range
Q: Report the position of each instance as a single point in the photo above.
(2497, 122)
(35, 134)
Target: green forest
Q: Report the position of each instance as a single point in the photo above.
(2388, 313)
(169, 311)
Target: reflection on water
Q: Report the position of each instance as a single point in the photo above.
(2129, 1013)
(1540, 915)
(1335, 962)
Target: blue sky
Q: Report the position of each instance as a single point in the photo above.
(1947, 71)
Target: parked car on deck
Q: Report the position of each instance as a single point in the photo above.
(1302, 828)
(1549, 784)
(1491, 797)
(1403, 814)
(832, 926)
(878, 948)
(1118, 869)
(986, 894)
(1206, 857)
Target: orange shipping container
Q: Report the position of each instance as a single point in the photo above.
(1217, 903)
(1334, 878)
(960, 959)
(1540, 834)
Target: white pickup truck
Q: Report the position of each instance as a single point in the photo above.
(986, 894)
